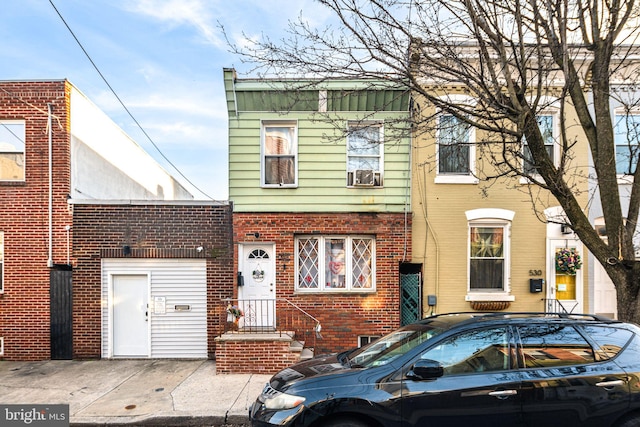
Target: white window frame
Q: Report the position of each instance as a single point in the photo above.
(454, 178)
(263, 155)
(491, 218)
(622, 115)
(378, 173)
(555, 128)
(5, 150)
(348, 264)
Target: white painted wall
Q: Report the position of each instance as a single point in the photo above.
(107, 164)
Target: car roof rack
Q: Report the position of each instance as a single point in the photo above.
(478, 315)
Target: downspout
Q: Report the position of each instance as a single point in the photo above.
(50, 133)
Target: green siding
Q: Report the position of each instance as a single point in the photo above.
(322, 157)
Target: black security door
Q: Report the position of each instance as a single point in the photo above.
(61, 309)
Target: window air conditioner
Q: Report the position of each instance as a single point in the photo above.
(364, 178)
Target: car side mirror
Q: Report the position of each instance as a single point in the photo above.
(426, 369)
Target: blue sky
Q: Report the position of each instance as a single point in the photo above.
(163, 58)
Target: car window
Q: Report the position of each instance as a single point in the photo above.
(610, 340)
(389, 347)
(551, 345)
(479, 350)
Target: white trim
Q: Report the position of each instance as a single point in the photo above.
(491, 217)
(23, 151)
(489, 296)
(1, 346)
(265, 123)
(490, 213)
(456, 178)
(348, 267)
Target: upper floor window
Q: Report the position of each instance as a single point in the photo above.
(546, 123)
(12, 137)
(279, 154)
(335, 263)
(489, 251)
(364, 155)
(456, 151)
(626, 136)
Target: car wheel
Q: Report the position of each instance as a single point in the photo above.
(630, 422)
(349, 422)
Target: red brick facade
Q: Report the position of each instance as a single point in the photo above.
(344, 316)
(24, 216)
(150, 231)
(256, 355)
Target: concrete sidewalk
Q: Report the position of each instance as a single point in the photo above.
(133, 392)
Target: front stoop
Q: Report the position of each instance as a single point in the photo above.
(247, 353)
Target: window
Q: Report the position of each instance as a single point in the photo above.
(551, 345)
(453, 145)
(12, 137)
(547, 126)
(487, 257)
(610, 340)
(482, 350)
(1, 262)
(335, 263)
(364, 155)
(626, 134)
(488, 248)
(280, 143)
(366, 339)
(455, 152)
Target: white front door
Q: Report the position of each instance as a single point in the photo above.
(130, 315)
(605, 303)
(258, 294)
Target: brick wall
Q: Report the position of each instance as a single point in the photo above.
(344, 316)
(239, 355)
(24, 217)
(151, 231)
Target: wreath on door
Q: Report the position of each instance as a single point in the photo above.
(568, 261)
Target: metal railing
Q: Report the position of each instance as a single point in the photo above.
(263, 316)
(557, 306)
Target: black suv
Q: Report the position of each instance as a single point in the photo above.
(469, 369)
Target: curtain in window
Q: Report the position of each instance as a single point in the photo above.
(279, 155)
(453, 148)
(486, 266)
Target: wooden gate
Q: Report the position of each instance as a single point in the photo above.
(61, 311)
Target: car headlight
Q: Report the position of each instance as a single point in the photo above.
(274, 399)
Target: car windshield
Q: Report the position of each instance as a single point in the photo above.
(389, 347)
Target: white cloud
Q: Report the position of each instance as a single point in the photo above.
(192, 13)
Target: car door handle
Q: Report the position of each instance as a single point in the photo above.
(608, 384)
(503, 394)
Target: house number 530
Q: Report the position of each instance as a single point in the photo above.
(535, 272)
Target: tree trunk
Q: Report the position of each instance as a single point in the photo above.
(627, 279)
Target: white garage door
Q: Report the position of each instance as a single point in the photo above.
(175, 311)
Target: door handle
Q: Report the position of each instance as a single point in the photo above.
(609, 384)
(503, 394)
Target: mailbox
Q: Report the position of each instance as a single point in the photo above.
(536, 285)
